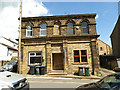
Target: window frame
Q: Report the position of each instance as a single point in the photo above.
(83, 55)
(85, 27)
(27, 30)
(80, 56)
(34, 52)
(43, 30)
(76, 56)
(70, 28)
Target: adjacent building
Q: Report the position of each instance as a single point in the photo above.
(61, 43)
(115, 37)
(103, 48)
(8, 49)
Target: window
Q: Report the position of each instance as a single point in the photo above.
(101, 48)
(43, 30)
(29, 31)
(83, 56)
(70, 28)
(76, 56)
(80, 56)
(85, 27)
(35, 58)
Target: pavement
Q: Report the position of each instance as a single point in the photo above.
(106, 72)
(103, 71)
(62, 76)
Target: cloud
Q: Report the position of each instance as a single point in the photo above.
(32, 8)
(97, 16)
(9, 16)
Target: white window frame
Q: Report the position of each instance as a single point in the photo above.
(34, 56)
(43, 30)
(29, 31)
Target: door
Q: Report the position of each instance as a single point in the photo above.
(58, 61)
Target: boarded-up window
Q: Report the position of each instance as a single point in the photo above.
(56, 30)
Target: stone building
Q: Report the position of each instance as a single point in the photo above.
(61, 43)
(103, 48)
(115, 37)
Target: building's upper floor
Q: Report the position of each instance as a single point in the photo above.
(64, 25)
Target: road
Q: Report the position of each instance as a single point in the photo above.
(57, 82)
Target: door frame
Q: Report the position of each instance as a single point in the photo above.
(53, 61)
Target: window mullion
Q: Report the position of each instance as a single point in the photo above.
(80, 55)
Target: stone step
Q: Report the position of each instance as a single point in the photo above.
(57, 72)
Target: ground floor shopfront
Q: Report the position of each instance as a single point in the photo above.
(60, 54)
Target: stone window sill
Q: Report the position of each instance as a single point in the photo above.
(80, 63)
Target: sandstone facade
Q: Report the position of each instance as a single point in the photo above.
(58, 48)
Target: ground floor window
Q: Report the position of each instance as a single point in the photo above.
(35, 58)
(80, 56)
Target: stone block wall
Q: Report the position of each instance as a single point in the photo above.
(57, 40)
(26, 49)
(58, 26)
(73, 67)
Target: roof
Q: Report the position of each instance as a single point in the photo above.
(62, 16)
(104, 42)
(10, 40)
(115, 26)
(9, 46)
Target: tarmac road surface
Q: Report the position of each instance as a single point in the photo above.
(57, 82)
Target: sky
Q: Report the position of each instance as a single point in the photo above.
(107, 14)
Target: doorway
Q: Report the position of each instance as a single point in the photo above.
(58, 61)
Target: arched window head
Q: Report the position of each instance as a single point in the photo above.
(70, 28)
(29, 31)
(85, 27)
(43, 29)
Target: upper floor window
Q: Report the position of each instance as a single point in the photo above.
(101, 48)
(29, 31)
(43, 29)
(70, 28)
(85, 27)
